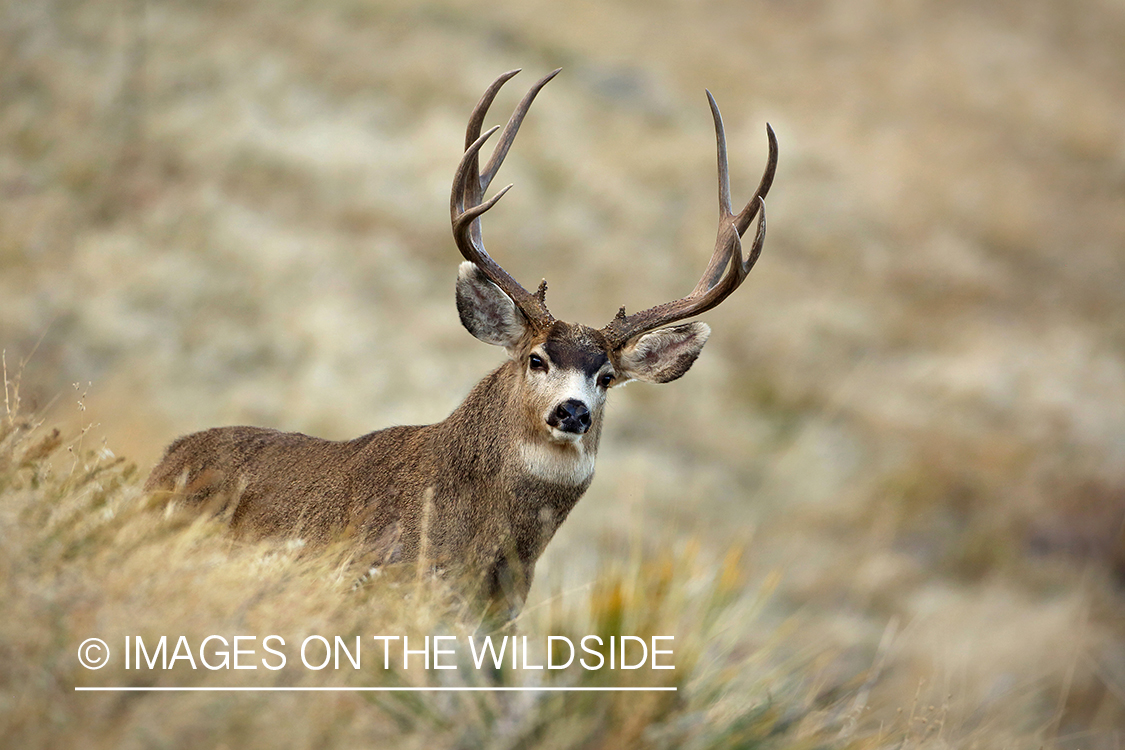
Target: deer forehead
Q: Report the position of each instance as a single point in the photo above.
(577, 351)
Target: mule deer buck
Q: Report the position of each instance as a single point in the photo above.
(484, 490)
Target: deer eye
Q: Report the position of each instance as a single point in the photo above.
(535, 362)
(606, 380)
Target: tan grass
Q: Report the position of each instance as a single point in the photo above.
(87, 555)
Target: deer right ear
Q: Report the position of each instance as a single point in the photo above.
(663, 355)
(486, 311)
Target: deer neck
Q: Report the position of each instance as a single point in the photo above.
(569, 464)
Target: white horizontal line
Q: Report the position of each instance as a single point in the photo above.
(372, 689)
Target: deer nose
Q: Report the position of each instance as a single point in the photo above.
(571, 416)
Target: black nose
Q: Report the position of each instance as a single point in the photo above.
(571, 416)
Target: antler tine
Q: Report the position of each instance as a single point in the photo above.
(719, 260)
(721, 147)
(469, 186)
(510, 130)
(747, 214)
(476, 119)
(726, 269)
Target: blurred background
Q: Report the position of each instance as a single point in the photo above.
(913, 412)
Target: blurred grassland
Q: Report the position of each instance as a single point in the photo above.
(235, 212)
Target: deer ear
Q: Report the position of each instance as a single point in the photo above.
(665, 354)
(485, 310)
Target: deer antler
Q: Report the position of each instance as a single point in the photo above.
(713, 286)
(469, 186)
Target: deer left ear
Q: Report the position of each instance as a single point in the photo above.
(486, 311)
(663, 355)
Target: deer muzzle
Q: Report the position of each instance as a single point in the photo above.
(571, 415)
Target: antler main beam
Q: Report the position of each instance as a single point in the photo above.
(466, 204)
(727, 269)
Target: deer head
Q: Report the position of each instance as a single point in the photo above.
(565, 369)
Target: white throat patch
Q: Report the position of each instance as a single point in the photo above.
(567, 463)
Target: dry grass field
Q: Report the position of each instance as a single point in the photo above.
(886, 508)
